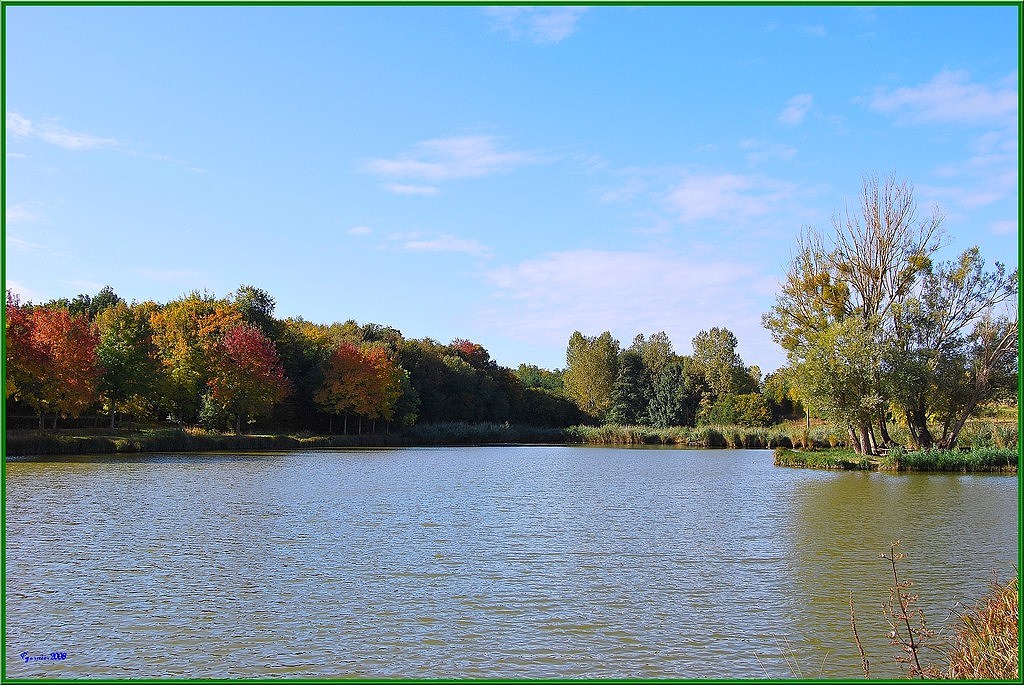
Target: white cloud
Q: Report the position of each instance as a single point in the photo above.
(796, 109)
(543, 300)
(726, 197)
(950, 97)
(47, 131)
(1004, 227)
(444, 159)
(24, 293)
(987, 176)
(447, 243)
(22, 245)
(544, 25)
(360, 230)
(816, 30)
(411, 189)
(18, 125)
(19, 214)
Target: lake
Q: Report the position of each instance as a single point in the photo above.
(481, 561)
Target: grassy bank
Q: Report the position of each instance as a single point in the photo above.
(731, 437)
(983, 460)
(98, 441)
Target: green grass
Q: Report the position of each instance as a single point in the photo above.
(986, 460)
(833, 458)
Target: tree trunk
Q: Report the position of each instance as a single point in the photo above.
(42, 419)
(56, 415)
(330, 424)
(949, 438)
(360, 424)
(883, 430)
(238, 423)
(112, 415)
(855, 440)
(346, 423)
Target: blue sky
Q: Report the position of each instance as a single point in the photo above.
(507, 175)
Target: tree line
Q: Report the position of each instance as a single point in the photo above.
(227, 362)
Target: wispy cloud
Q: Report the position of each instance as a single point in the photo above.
(544, 299)
(816, 30)
(430, 162)
(360, 230)
(796, 109)
(987, 176)
(726, 197)
(446, 243)
(950, 97)
(544, 25)
(411, 189)
(20, 214)
(25, 294)
(49, 132)
(1008, 227)
(22, 245)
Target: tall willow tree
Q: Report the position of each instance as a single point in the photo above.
(837, 303)
(870, 323)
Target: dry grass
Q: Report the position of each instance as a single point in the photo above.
(985, 646)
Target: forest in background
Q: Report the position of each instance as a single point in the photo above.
(228, 363)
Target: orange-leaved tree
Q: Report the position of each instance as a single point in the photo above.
(366, 382)
(51, 360)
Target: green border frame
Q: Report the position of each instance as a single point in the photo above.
(468, 3)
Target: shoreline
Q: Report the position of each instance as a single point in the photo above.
(51, 446)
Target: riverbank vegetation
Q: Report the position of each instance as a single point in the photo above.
(980, 460)
(887, 350)
(876, 330)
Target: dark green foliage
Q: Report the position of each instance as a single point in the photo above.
(257, 309)
(532, 376)
(675, 397)
(630, 391)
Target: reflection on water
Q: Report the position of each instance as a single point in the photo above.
(472, 562)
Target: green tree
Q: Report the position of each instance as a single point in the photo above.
(630, 391)
(590, 372)
(951, 348)
(257, 309)
(839, 301)
(675, 397)
(715, 356)
(656, 352)
(128, 357)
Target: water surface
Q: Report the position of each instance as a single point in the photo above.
(479, 562)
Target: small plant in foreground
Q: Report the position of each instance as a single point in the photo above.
(909, 631)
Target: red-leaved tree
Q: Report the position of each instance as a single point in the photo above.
(248, 378)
